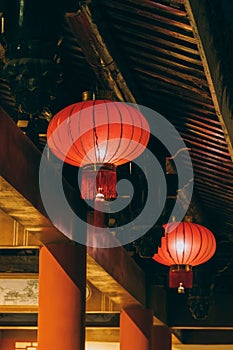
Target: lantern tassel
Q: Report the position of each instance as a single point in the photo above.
(97, 178)
(180, 275)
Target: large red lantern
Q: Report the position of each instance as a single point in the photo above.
(184, 245)
(98, 135)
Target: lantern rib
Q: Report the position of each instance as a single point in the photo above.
(95, 136)
(138, 143)
(62, 154)
(183, 253)
(79, 132)
(141, 129)
(108, 133)
(132, 131)
(196, 258)
(168, 250)
(209, 248)
(177, 258)
(160, 256)
(119, 138)
(190, 252)
(202, 258)
(69, 129)
(54, 144)
(164, 258)
(119, 143)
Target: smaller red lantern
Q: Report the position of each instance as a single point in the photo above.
(185, 245)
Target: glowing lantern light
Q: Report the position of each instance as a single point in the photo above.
(98, 135)
(184, 245)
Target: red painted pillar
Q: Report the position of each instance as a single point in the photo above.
(62, 285)
(136, 329)
(161, 338)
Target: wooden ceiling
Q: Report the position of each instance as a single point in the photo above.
(173, 56)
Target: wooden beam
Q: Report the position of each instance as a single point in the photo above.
(103, 334)
(19, 185)
(97, 54)
(206, 40)
(115, 274)
(21, 210)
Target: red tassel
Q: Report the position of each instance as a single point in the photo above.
(102, 179)
(180, 274)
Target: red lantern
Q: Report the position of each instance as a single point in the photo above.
(98, 135)
(185, 245)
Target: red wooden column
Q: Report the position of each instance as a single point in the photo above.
(62, 285)
(161, 338)
(136, 329)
